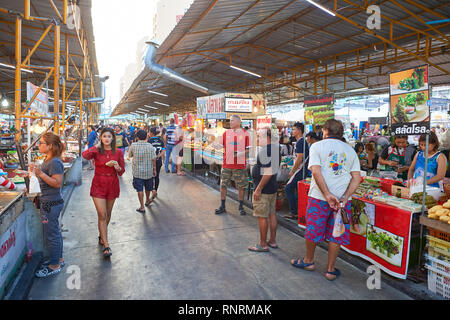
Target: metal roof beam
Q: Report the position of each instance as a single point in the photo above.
(412, 14)
(394, 21)
(433, 12)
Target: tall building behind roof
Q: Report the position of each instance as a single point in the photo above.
(133, 69)
(168, 14)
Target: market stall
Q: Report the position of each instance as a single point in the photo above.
(214, 113)
(377, 219)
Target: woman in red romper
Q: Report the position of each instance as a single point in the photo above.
(105, 185)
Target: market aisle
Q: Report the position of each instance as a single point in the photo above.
(179, 249)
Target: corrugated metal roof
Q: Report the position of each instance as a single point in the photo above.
(32, 31)
(298, 36)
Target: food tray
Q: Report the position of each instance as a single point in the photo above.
(438, 243)
(438, 276)
(439, 254)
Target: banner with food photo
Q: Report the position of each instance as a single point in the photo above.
(381, 234)
(409, 80)
(410, 113)
(363, 214)
(385, 244)
(318, 109)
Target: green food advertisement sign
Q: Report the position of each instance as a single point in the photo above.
(409, 94)
(318, 109)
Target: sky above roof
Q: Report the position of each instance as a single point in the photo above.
(118, 26)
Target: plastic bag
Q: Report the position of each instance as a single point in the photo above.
(416, 186)
(34, 184)
(340, 220)
(283, 173)
(339, 227)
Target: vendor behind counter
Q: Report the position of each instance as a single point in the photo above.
(397, 157)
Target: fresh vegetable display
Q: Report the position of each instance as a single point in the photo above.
(416, 81)
(384, 243)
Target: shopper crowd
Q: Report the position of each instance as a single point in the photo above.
(324, 156)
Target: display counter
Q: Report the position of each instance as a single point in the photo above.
(380, 232)
(20, 229)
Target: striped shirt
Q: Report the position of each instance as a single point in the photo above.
(171, 134)
(143, 154)
(5, 183)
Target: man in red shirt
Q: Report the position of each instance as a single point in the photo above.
(235, 142)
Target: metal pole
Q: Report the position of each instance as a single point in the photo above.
(81, 112)
(424, 193)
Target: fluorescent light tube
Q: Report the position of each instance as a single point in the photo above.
(13, 67)
(358, 89)
(288, 100)
(246, 71)
(163, 104)
(321, 7)
(161, 94)
(150, 107)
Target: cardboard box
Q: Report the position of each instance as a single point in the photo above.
(404, 191)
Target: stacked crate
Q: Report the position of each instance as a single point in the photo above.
(438, 262)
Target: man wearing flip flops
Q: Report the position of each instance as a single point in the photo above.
(264, 175)
(144, 168)
(336, 175)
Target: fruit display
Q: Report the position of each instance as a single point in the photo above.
(440, 212)
(429, 200)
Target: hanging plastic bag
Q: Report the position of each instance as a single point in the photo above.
(340, 219)
(34, 184)
(283, 173)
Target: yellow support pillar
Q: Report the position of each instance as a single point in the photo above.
(63, 104)
(56, 78)
(18, 80)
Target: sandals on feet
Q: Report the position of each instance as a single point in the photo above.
(140, 210)
(258, 248)
(147, 204)
(336, 273)
(107, 252)
(220, 210)
(273, 245)
(302, 265)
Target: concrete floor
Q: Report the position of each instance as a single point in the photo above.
(179, 249)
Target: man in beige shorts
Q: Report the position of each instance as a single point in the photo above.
(235, 142)
(264, 175)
